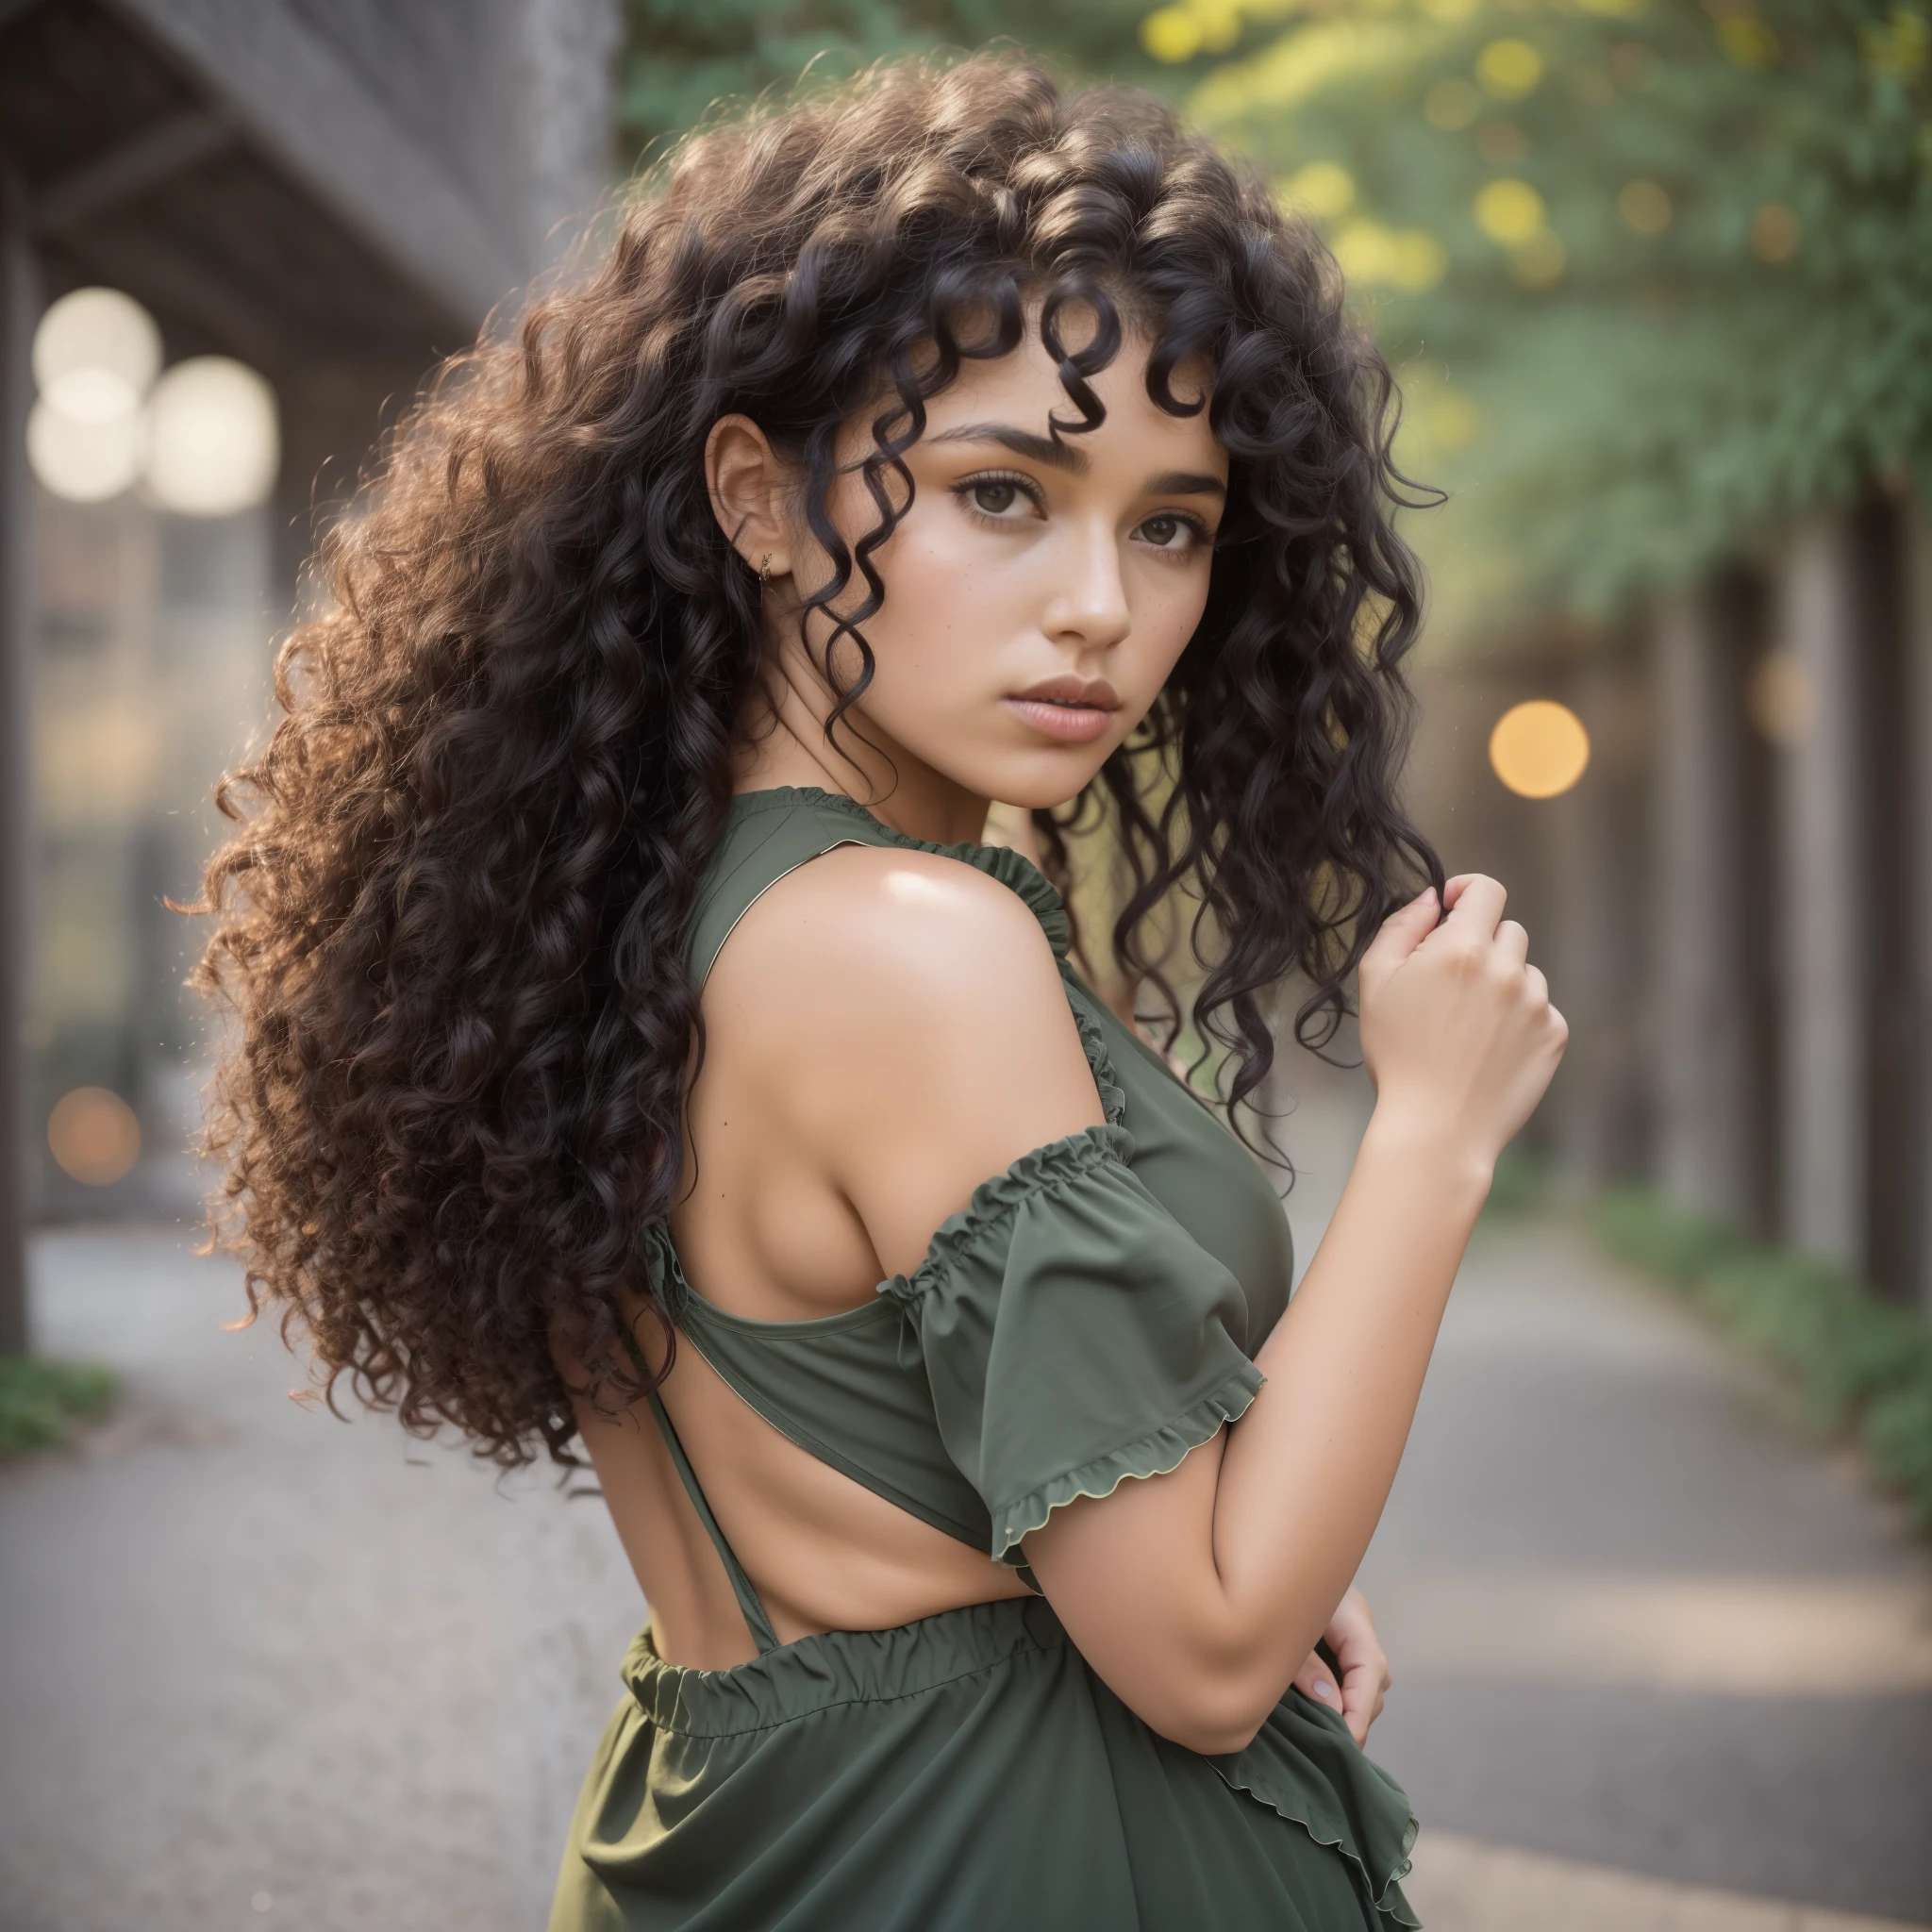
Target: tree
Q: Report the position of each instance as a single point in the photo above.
(680, 57)
(1659, 277)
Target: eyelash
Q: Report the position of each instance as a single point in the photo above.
(1027, 488)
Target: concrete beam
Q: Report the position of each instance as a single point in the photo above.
(130, 169)
(296, 102)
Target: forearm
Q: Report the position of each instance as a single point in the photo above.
(1308, 1469)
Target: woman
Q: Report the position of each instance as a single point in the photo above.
(636, 1045)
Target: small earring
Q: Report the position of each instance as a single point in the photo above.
(765, 571)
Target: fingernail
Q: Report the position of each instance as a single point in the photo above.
(1326, 1691)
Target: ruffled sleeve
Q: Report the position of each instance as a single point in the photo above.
(1072, 1334)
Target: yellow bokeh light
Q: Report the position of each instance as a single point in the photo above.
(1539, 260)
(1508, 211)
(1171, 34)
(1451, 10)
(1325, 189)
(1509, 68)
(1538, 749)
(94, 1136)
(1747, 41)
(1371, 254)
(1644, 207)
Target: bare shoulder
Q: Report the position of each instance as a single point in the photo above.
(902, 1014)
(869, 931)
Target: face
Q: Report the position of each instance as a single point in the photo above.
(1037, 596)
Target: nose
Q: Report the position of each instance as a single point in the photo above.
(1089, 605)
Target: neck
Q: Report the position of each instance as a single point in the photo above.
(784, 742)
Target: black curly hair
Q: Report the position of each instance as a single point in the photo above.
(451, 922)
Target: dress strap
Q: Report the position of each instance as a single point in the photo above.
(741, 1587)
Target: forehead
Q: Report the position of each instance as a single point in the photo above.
(1022, 390)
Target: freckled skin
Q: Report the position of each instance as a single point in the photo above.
(853, 1096)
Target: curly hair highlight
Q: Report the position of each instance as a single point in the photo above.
(452, 924)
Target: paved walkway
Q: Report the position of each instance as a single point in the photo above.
(1663, 1665)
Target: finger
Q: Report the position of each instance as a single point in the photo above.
(1479, 908)
(1401, 933)
(1539, 985)
(1453, 888)
(1512, 941)
(1362, 1700)
(1315, 1679)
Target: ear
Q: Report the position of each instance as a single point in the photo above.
(748, 483)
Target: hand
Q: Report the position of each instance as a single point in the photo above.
(1457, 1027)
(1365, 1680)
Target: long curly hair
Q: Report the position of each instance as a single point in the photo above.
(451, 927)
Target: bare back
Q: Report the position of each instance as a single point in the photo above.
(877, 1025)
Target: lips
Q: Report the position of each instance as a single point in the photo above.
(1073, 711)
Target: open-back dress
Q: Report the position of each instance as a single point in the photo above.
(1090, 1316)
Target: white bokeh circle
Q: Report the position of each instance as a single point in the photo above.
(96, 329)
(84, 462)
(213, 443)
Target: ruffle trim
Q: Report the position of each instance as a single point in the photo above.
(1277, 1787)
(997, 1201)
(1157, 1453)
(1014, 871)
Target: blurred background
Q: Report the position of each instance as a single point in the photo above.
(1656, 279)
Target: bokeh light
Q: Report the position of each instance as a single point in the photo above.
(1408, 259)
(1501, 143)
(1451, 104)
(95, 355)
(94, 1136)
(1779, 698)
(82, 461)
(1774, 233)
(1509, 68)
(1539, 260)
(213, 443)
(1538, 749)
(1324, 189)
(1644, 207)
(1508, 211)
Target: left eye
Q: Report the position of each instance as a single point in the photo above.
(995, 499)
(1167, 532)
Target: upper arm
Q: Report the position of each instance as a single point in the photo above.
(913, 1031)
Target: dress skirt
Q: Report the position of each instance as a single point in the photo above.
(967, 1772)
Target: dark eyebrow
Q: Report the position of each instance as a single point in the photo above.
(1187, 483)
(1023, 443)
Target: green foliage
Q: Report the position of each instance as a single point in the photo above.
(1670, 264)
(1860, 1362)
(680, 58)
(38, 1399)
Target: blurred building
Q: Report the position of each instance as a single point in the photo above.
(1734, 895)
(329, 193)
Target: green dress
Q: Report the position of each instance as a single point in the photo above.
(1089, 1316)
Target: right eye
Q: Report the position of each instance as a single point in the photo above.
(995, 496)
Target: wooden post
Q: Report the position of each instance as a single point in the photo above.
(1823, 884)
